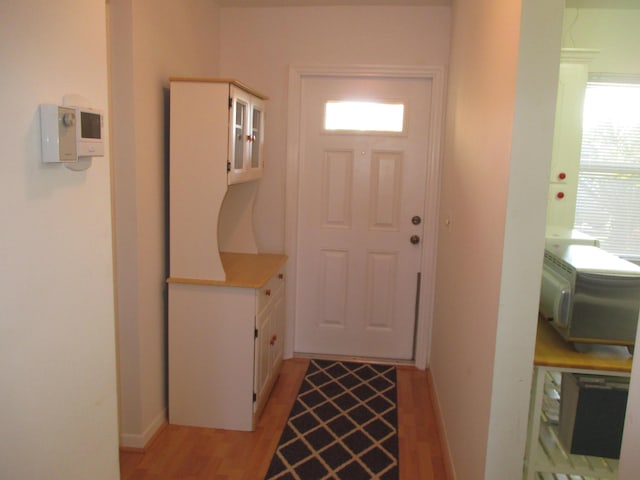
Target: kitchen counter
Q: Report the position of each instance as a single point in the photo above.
(553, 351)
(244, 270)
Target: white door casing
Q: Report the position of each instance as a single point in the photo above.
(381, 156)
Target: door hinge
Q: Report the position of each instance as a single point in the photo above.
(255, 333)
(230, 102)
(255, 396)
(228, 167)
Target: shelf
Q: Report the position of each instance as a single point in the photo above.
(552, 457)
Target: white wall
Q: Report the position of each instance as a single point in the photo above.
(474, 187)
(273, 39)
(531, 147)
(150, 41)
(57, 355)
(614, 32)
(494, 200)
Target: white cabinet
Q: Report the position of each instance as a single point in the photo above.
(567, 138)
(210, 207)
(226, 299)
(226, 344)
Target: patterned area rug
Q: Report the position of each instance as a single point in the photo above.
(343, 425)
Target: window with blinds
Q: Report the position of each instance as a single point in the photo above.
(608, 200)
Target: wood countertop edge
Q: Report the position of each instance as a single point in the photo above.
(553, 352)
(243, 270)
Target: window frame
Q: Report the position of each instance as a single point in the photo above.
(607, 170)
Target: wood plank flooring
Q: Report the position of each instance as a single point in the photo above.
(189, 453)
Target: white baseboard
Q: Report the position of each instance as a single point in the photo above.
(140, 441)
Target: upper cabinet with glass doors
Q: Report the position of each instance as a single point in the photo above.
(246, 123)
(216, 137)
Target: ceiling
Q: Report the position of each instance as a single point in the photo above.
(306, 3)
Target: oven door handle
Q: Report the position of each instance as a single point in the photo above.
(562, 307)
(555, 297)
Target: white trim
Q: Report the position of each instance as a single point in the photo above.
(432, 186)
(131, 440)
(578, 55)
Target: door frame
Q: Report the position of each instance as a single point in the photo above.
(297, 73)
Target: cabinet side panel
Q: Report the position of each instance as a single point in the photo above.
(197, 177)
(235, 227)
(211, 356)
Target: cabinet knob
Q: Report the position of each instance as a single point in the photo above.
(281, 276)
(273, 340)
(560, 195)
(268, 292)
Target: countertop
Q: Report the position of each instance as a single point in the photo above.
(244, 270)
(553, 351)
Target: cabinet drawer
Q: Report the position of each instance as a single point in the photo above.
(269, 291)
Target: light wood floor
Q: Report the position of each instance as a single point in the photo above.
(190, 453)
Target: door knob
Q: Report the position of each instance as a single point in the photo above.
(416, 219)
(415, 239)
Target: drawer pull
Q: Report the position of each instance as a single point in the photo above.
(268, 292)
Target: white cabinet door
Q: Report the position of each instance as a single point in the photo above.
(246, 132)
(211, 368)
(269, 343)
(277, 341)
(262, 369)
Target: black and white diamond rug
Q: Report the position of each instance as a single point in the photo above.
(343, 425)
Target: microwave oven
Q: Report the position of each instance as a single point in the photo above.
(590, 295)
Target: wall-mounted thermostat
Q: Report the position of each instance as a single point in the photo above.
(58, 134)
(70, 133)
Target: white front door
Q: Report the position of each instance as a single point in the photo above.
(360, 222)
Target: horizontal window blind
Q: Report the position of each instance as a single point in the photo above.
(608, 200)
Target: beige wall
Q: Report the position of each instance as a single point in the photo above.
(473, 200)
(150, 40)
(493, 198)
(273, 39)
(57, 356)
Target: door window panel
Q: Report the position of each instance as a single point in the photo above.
(364, 117)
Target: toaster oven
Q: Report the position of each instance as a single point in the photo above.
(590, 295)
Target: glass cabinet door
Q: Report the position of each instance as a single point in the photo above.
(256, 136)
(246, 119)
(240, 121)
